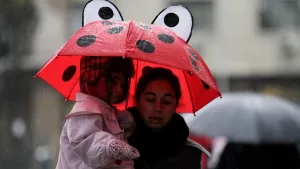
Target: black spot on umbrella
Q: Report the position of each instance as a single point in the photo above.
(107, 23)
(193, 54)
(145, 26)
(115, 30)
(106, 13)
(86, 40)
(171, 19)
(166, 38)
(69, 73)
(205, 85)
(145, 46)
(194, 63)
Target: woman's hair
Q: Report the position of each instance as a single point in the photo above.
(95, 67)
(244, 156)
(159, 73)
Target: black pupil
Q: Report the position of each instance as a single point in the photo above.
(171, 19)
(106, 13)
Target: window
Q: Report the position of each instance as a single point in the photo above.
(275, 14)
(202, 11)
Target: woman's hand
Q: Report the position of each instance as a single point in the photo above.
(125, 120)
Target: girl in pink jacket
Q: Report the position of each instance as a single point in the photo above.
(93, 132)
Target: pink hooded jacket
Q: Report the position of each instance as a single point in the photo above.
(89, 128)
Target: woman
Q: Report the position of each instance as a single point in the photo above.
(161, 134)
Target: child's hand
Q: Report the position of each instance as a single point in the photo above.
(120, 150)
(125, 120)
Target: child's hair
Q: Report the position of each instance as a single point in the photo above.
(158, 73)
(92, 68)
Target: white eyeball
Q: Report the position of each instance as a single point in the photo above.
(95, 10)
(177, 18)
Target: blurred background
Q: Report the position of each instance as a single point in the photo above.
(250, 45)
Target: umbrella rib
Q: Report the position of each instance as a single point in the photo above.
(127, 37)
(193, 107)
(72, 89)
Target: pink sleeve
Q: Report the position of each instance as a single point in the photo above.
(88, 140)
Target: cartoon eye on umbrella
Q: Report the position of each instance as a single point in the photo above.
(96, 10)
(160, 44)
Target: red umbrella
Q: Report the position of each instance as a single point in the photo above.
(148, 45)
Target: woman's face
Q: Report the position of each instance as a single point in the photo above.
(157, 104)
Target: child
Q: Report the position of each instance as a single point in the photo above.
(91, 136)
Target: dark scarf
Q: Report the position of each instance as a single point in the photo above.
(155, 146)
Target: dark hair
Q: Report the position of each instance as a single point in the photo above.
(107, 66)
(159, 73)
(120, 65)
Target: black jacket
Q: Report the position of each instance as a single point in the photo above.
(166, 148)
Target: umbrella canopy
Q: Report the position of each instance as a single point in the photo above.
(147, 45)
(249, 117)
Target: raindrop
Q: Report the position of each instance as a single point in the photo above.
(18, 128)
